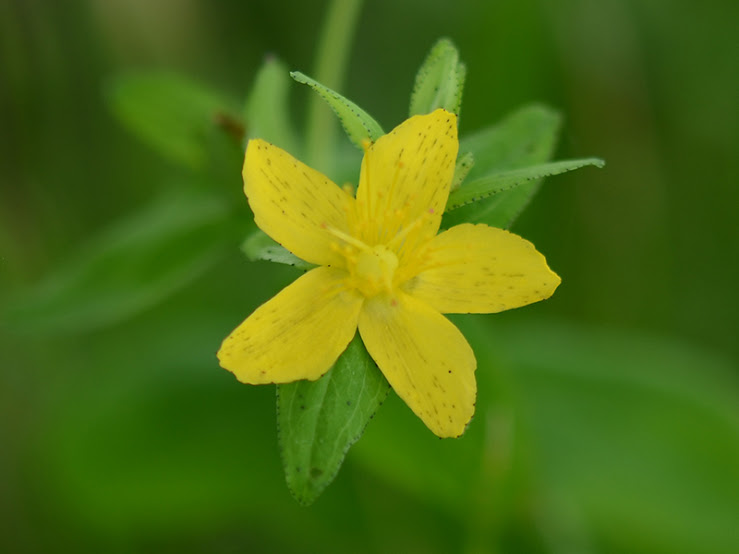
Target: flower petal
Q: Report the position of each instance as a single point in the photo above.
(406, 174)
(481, 269)
(425, 358)
(298, 334)
(293, 203)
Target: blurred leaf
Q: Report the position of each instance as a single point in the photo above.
(143, 438)
(129, 267)
(627, 435)
(439, 81)
(267, 112)
(179, 452)
(259, 246)
(496, 183)
(318, 421)
(357, 123)
(398, 448)
(634, 432)
(171, 113)
(526, 137)
(461, 169)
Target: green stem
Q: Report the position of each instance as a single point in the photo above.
(330, 69)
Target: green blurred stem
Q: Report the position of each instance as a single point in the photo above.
(330, 69)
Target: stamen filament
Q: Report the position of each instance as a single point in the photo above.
(398, 239)
(348, 239)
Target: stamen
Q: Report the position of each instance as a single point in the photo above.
(346, 238)
(398, 239)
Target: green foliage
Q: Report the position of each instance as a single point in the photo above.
(318, 421)
(586, 438)
(358, 124)
(602, 440)
(260, 246)
(633, 431)
(129, 267)
(266, 112)
(171, 114)
(496, 183)
(525, 138)
(439, 81)
(463, 166)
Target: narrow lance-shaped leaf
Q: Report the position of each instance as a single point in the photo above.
(267, 111)
(439, 81)
(461, 169)
(171, 113)
(506, 180)
(318, 421)
(526, 137)
(358, 124)
(259, 246)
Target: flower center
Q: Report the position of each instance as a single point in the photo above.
(373, 270)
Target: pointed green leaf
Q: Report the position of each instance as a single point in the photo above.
(267, 111)
(170, 113)
(259, 246)
(318, 421)
(526, 137)
(357, 123)
(129, 267)
(439, 81)
(461, 169)
(506, 180)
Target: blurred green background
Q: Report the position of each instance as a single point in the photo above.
(608, 416)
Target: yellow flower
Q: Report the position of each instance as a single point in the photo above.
(383, 269)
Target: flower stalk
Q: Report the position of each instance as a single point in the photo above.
(331, 60)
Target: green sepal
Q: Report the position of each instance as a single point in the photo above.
(318, 421)
(358, 124)
(439, 81)
(260, 246)
(526, 137)
(267, 110)
(172, 114)
(461, 170)
(495, 183)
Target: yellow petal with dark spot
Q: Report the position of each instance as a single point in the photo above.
(298, 334)
(425, 359)
(406, 174)
(293, 203)
(480, 269)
